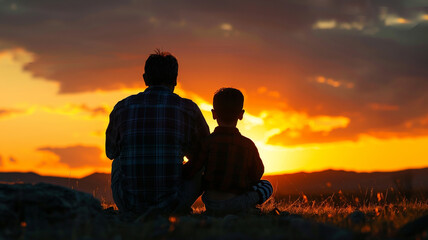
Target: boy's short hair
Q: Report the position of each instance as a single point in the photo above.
(161, 68)
(228, 104)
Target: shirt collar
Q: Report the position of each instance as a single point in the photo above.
(157, 88)
(226, 130)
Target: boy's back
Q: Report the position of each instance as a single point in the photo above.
(232, 164)
(233, 167)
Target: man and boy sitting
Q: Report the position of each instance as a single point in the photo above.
(149, 134)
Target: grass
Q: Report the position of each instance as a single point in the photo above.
(381, 219)
(299, 217)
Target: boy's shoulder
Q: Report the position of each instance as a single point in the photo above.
(240, 139)
(248, 142)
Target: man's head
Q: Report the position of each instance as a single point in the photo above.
(161, 69)
(228, 104)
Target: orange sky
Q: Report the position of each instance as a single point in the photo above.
(63, 134)
(322, 90)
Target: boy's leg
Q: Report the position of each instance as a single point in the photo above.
(237, 204)
(264, 189)
(261, 192)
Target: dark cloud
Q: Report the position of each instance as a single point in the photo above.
(306, 136)
(9, 112)
(103, 45)
(95, 111)
(78, 156)
(378, 127)
(12, 159)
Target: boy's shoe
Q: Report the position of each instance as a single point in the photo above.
(264, 189)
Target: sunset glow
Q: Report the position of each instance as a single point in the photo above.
(321, 93)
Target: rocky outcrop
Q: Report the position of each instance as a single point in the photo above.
(416, 229)
(30, 211)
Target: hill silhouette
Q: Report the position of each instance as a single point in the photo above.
(329, 181)
(411, 181)
(97, 184)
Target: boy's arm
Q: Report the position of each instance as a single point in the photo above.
(258, 168)
(195, 163)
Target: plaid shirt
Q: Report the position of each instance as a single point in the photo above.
(232, 162)
(149, 134)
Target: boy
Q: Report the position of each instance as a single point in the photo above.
(233, 167)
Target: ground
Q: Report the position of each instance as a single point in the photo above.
(45, 211)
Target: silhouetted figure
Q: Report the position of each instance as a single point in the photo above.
(148, 135)
(233, 167)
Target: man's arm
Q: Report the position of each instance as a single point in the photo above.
(112, 137)
(195, 152)
(200, 131)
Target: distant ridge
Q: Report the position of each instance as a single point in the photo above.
(330, 181)
(322, 182)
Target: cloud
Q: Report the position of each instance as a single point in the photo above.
(333, 83)
(350, 131)
(371, 55)
(12, 159)
(1, 161)
(78, 156)
(80, 108)
(384, 107)
(93, 46)
(307, 136)
(100, 110)
(9, 112)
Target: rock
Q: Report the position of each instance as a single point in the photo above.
(414, 228)
(44, 206)
(302, 228)
(229, 220)
(7, 216)
(356, 218)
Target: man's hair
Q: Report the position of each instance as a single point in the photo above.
(228, 104)
(161, 69)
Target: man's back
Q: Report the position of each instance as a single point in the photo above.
(148, 135)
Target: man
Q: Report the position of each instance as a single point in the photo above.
(148, 135)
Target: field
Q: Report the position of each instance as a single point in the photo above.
(299, 218)
(45, 211)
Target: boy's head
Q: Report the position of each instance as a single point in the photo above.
(228, 104)
(161, 69)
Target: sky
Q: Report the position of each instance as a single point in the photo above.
(328, 84)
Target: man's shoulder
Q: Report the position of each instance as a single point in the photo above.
(186, 104)
(174, 99)
(124, 102)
